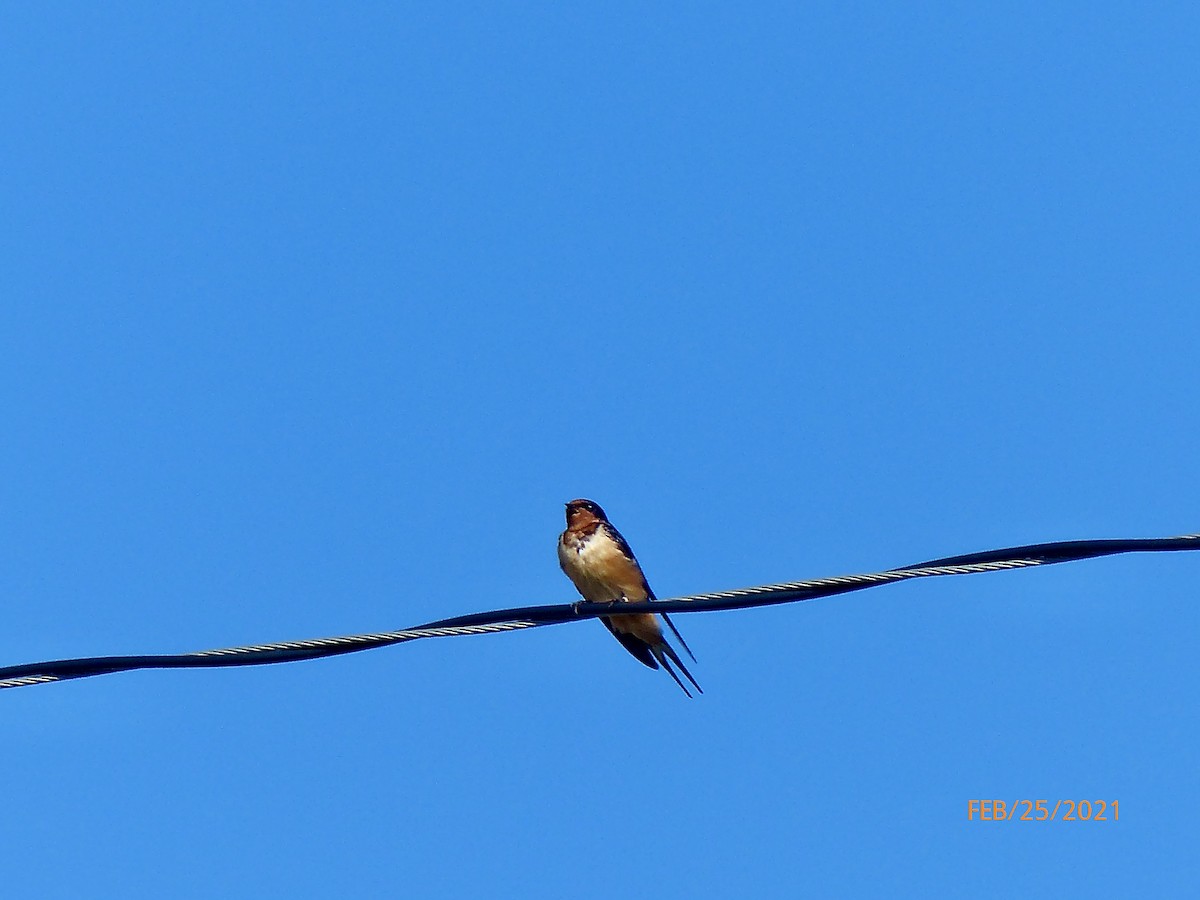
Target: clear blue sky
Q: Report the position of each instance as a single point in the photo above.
(314, 317)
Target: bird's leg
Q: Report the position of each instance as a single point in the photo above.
(578, 605)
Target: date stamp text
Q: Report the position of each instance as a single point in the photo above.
(1043, 811)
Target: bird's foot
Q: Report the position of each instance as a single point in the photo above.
(578, 606)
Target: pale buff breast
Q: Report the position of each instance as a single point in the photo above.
(599, 569)
(602, 573)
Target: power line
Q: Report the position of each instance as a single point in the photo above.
(538, 616)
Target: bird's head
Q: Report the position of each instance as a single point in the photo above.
(584, 512)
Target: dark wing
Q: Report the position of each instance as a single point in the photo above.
(639, 649)
(627, 552)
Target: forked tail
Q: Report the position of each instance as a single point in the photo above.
(665, 655)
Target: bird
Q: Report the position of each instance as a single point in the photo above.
(600, 563)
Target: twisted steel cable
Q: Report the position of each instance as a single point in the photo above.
(537, 616)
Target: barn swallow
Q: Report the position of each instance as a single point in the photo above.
(604, 570)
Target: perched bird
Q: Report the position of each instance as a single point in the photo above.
(598, 560)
